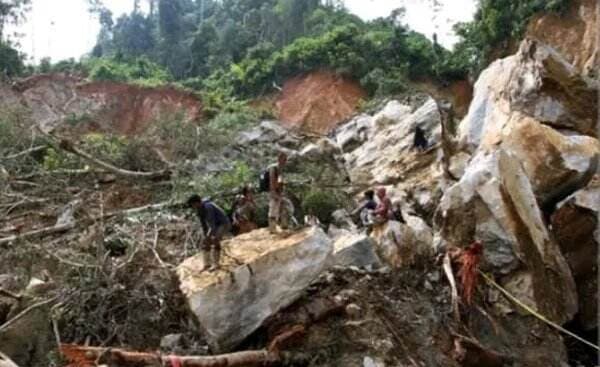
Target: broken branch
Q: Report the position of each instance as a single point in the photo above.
(69, 226)
(448, 271)
(26, 311)
(5, 293)
(5, 361)
(25, 152)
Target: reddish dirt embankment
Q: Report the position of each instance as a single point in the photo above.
(318, 101)
(105, 106)
(575, 34)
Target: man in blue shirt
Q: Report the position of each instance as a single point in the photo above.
(215, 225)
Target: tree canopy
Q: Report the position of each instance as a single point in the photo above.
(241, 48)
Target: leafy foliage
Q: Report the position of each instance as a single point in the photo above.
(139, 70)
(321, 204)
(11, 60)
(496, 23)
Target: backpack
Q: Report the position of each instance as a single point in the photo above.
(264, 181)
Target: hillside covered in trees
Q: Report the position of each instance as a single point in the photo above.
(243, 48)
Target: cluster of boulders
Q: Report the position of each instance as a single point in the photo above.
(527, 169)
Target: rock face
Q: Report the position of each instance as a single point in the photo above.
(532, 133)
(399, 244)
(576, 226)
(494, 203)
(104, 106)
(319, 101)
(574, 34)
(536, 82)
(532, 130)
(29, 339)
(378, 148)
(351, 249)
(262, 274)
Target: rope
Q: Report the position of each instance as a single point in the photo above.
(534, 312)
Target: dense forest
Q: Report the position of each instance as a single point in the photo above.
(242, 48)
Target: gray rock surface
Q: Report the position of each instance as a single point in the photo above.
(261, 274)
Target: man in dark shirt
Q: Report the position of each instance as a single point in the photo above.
(215, 225)
(367, 205)
(420, 140)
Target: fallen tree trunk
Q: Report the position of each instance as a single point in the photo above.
(80, 356)
(68, 146)
(69, 226)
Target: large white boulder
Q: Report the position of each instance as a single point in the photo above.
(400, 244)
(536, 82)
(535, 106)
(494, 202)
(385, 155)
(260, 274)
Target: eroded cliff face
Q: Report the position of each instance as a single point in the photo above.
(575, 35)
(98, 106)
(317, 102)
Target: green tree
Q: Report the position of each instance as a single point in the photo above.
(12, 11)
(11, 60)
(133, 35)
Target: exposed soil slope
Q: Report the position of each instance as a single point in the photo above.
(105, 106)
(318, 101)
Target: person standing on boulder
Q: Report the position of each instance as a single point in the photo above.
(215, 225)
(420, 140)
(276, 198)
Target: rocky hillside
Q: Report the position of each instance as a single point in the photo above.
(104, 262)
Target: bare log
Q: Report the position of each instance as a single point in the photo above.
(37, 233)
(447, 266)
(5, 361)
(80, 355)
(446, 116)
(21, 314)
(68, 146)
(36, 149)
(69, 226)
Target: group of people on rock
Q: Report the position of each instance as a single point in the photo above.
(373, 212)
(216, 224)
(375, 208)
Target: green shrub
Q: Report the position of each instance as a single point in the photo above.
(223, 186)
(139, 70)
(321, 204)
